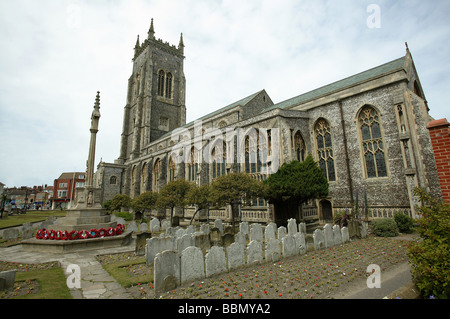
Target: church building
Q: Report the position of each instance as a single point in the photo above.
(368, 133)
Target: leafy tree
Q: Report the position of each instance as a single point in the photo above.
(232, 189)
(172, 195)
(119, 201)
(199, 196)
(145, 201)
(430, 257)
(293, 185)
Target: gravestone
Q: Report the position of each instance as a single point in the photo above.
(133, 227)
(236, 256)
(201, 240)
(180, 232)
(344, 234)
(204, 228)
(141, 241)
(244, 228)
(166, 271)
(254, 252)
(300, 243)
(170, 231)
(273, 250)
(302, 228)
(155, 225)
(363, 230)
(215, 236)
(156, 245)
(215, 261)
(337, 235)
(353, 229)
(256, 232)
(328, 235)
(288, 246)
(292, 226)
(269, 232)
(184, 242)
(190, 229)
(7, 279)
(281, 232)
(319, 240)
(143, 227)
(165, 224)
(192, 264)
(218, 224)
(240, 239)
(309, 240)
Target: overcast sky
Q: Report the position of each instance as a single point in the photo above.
(55, 55)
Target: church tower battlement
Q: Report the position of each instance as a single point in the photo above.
(156, 94)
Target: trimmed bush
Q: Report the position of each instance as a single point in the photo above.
(385, 227)
(404, 222)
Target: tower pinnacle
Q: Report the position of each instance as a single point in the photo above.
(151, 31)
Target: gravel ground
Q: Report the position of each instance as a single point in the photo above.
(319, 274)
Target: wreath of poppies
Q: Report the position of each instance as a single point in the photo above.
(79, 234)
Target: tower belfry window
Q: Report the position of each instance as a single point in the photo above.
(161, 79)
(169, 85)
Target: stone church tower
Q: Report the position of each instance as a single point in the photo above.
(156, 95)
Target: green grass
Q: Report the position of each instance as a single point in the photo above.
(29, 217)
(120, 273)
(52, 284)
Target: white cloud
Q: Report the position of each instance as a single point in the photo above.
(55, 55)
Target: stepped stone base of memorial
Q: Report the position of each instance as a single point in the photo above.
(80, 219)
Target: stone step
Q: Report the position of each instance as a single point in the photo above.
(84, 220)
(70, 227)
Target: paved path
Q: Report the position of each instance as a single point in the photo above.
(96, 283)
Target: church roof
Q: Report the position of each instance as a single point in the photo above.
(353, 80)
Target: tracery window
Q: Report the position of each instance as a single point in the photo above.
(299, 147)
(168, 86)
(219, 161)
(192, 164)
(156, 173)
(372, 143)
(171, 169)
(325, 149)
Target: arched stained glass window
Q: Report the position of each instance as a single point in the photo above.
(161, 79)
(325, 149)
(372, 143)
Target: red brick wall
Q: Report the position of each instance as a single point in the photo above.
(440, 139)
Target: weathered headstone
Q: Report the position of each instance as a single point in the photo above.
(256, 232)
(273, 250)
(302, 228)
(288, 246)
(166, 271)
(156, 245)
(7, 279)
(133, 227)
(184, 242)
(269, 232)
(201, 240)
(309, 240)
(218, 224)
(227, 239)
(165, 224)
(319, 240)
(353, 229)
(281, 232)
(244, 228)
(192, 264)
(344, 233)
(292, 226)
(215, 261)
(190, 229)
(363, 230)
(155, 225)
(240, 239)
(215, 236)
(236, 256)
(141, 241)
(180, 232)
(337, 235)
(328, 235)
(254, 252)
(204, 228)
(300, 243)
(143, 227)
(170, 231)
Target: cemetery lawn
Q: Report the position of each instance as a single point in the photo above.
(318, 274)
(30, 217)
